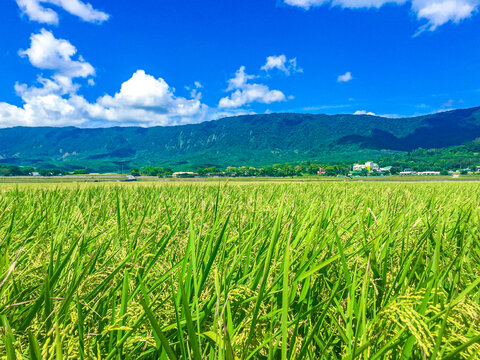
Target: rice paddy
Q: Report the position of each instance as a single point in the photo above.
(240, 271)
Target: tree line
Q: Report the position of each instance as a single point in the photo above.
(277, 170)
(14, 170)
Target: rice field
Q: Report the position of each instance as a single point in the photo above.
(240, 271)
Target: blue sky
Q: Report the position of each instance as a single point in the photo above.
(169, 62)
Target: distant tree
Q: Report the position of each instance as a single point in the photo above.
(28, 170)
(231, 171)
(298, 170)
(79, 171)
(331, 170)
(164, 172)
(395, 170)
(15, 170)
(312, 169)
(269, 171)
(50, 172)
(135, 172)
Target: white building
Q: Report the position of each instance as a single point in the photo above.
(429, 173)
(358, 167)
(369, 166)
(180, 174)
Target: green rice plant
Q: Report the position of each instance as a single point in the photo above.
(240, 270)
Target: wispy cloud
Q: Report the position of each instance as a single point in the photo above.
(434, 12)
(282, 64)
(345, 77)
(245, 92)
(364, 112)
(42, 11)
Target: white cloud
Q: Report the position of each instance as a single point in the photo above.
(240, 80)
(345, 77)
(36, 11)
(245, 93)
(281, 63)
(195, 92)
(48, 53)
(356, 4)
(54, 101)
(142, 100)
(306, 4)
(142, 91)
(439, 12)
(252, 93)
(435, 12)
(363, 112)
(44, 107)
(145, 99)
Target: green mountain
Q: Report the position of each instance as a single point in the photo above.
(243, 140)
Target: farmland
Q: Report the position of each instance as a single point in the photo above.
(240, 270)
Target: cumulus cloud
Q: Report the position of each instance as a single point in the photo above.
(48, 53)
(146, 99)
(282, 64)
(246, 93)
(364, 112)
(45, 106)
(435, 12)
(54, 101)
(240, 80)
(142, 100)
(36, 10)
(345, 77)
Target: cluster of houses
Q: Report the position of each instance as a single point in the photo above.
(410, 172)
(184, 174)
(370, 168)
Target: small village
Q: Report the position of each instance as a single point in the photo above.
(367, 169)
(371, 168)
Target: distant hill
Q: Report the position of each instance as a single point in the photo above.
(243, 140)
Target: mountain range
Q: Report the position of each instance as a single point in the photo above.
(254, 140)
